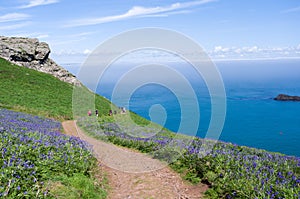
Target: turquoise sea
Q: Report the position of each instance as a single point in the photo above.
(253, 118)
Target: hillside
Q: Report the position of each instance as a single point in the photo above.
(30, 91)
(231, 171)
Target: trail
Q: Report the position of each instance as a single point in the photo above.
(135, 175)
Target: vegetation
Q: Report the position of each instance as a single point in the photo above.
(39, 162)
(34, 154)
(78, 186)
(231, 171)
(30, 91)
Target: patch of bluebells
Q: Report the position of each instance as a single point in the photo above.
(230, 170)
(243, 171)
(33, 150)
(112, 132)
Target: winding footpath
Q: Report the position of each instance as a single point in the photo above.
(135, 175)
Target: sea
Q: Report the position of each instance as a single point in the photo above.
(253, 118)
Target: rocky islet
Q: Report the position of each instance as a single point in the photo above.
(284, 97)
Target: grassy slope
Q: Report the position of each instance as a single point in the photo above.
(30, 91)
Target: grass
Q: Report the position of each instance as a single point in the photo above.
(77, 187)
(34, 152)
(231, 171)
(30, 91)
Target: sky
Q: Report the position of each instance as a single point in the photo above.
(225, 29)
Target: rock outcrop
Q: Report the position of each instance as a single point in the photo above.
(33, 54)
(283, 97)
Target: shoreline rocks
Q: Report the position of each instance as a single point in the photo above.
(30, 53)
(283, 97)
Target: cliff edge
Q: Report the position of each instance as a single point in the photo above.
(31, 53)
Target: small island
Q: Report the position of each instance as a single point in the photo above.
(283, 97)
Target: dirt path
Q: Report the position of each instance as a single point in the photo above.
(134, 175)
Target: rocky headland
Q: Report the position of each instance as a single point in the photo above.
(283, 97)
(32, 53)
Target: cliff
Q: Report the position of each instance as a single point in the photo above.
(33, 54)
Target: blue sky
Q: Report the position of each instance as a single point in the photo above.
(226, 29)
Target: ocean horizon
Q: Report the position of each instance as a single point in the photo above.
(253, 118)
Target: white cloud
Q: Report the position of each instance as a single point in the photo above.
(82, 34)
(139, 11)
(296, 9)
(14, 26)
(252, 49)
(61, 40)
(221, 49)
(69, 52)
(34, 3)
(238, 51)
(66, 41)
(42, 36)
(13, 17)
(87, 51)
(167, 14)
(32, 35)
(179, 12)
(254, 52)
(218, 49)
(277, 49)
(219, 53)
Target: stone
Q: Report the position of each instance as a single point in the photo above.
(30, 53)
(42, 51)
(283, 97)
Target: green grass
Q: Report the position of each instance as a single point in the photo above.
(30, 91)
(37, 93)
(77, 187)
(231, 171)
